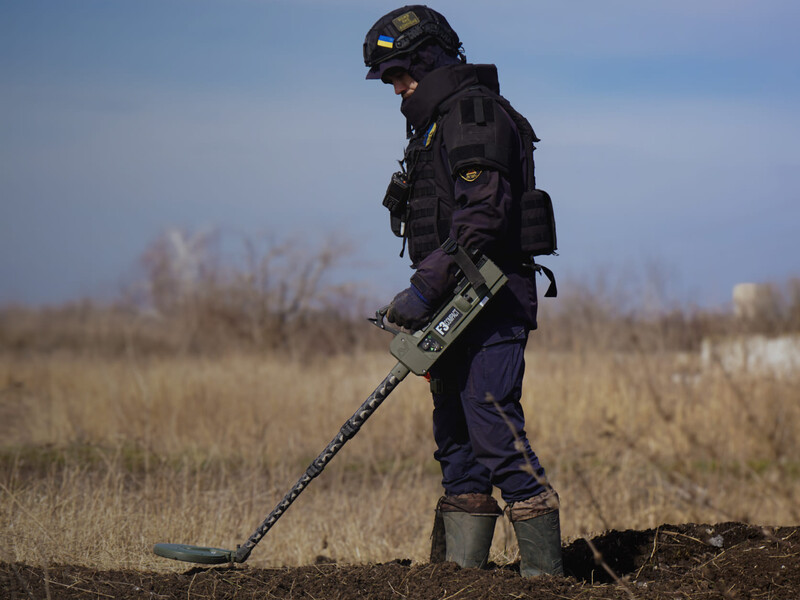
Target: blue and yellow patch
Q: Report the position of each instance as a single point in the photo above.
(429, 135)
(385, 41)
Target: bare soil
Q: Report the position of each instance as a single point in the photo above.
(727, 560)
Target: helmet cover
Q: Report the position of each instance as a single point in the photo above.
(400, 32)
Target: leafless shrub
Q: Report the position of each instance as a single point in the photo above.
(276, 297)
(191, 297)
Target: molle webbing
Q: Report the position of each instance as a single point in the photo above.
(425, 187)
(478, 110)
(425, 215)
(481, 139)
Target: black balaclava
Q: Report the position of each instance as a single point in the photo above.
(427, 58)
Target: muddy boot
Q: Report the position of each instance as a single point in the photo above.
(538, 530)
(463, 529)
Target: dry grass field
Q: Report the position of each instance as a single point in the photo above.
(184, 415)
(104, 455)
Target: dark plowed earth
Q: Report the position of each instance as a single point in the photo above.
(728, 560)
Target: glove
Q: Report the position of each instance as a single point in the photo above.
(409, 309)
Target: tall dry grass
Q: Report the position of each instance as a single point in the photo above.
(103, 457)
(186, 411)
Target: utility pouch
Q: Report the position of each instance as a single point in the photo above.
(538, 223)
(396, 200)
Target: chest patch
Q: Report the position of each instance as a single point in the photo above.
(429, 135)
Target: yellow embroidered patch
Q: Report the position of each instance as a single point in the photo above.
(405, 20)
(470, 175)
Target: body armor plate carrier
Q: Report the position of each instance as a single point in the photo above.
(421, 205)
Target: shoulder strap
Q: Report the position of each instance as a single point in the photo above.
(467, 266)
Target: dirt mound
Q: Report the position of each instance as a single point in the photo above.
(728, 560)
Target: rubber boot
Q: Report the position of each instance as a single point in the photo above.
(468, 538)
(539, 541)
(536, 523)
(463, 529)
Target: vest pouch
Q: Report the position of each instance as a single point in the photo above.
(396, 200)
(538, 224)
(396, 225)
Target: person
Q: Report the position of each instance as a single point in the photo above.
(468, 162)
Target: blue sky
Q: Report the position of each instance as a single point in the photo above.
(669, 133)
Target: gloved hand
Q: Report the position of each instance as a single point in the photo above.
(409, 309)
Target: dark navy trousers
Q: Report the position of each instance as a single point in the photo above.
(478, 422)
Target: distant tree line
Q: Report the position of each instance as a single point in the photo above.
(278, 297)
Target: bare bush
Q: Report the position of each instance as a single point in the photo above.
(261, 295)
(276, 297)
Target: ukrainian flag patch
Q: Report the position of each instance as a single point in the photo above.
(429, 135)
(385, 41)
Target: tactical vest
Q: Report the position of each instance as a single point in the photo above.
(422, 210)
(421, 198)
(430, 201)
(482, 138)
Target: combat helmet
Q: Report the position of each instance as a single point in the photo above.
(399, 33)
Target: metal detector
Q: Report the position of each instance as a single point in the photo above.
(416, 353)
